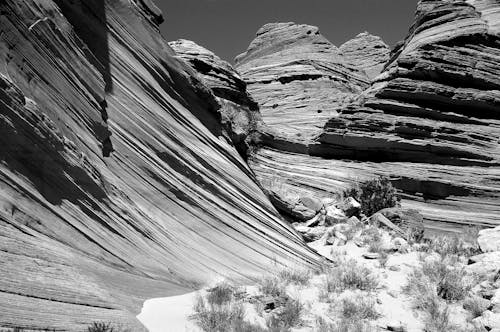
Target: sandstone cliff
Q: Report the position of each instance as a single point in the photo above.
(240, 114)
(299, 79)
(116, 181)
(429, 121)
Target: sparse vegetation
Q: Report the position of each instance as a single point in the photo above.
(101, 327)
(221, 311)
(455, 244)
(271, 286)
(476, 305)
(374, 195)
(294, 276)
(285, 317)
(350, 276)
(438, 316)
(359, 308)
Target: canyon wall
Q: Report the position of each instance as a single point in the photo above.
(118, 180)
(426, 115)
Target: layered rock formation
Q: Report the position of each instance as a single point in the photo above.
(116, 182)
(299, 80)
(429, 121)
(240, 114)
(435, 107)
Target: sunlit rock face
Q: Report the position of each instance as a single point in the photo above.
(240, 114)
(430, 121)
(435, 107)
(116, 181)
(366, 52)
(299, 80)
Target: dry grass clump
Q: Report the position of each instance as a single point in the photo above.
(271, 286)
(374, 195)
(458, 245)
(103, 327)
(297, 277)
(350, 275)
(438, 316)
(221, 311)
(359, 308)
(343, 325)
(286, 317)
(352, 315)
(435, 283)
(453, 282)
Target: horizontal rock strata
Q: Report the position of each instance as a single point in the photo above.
(300, 79)
(447, 196)
(430, 121)
(115, 181)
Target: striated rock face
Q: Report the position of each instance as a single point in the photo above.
(240, 114)
(430, 121)
(116, 183)
(299, 80)
(436, 106)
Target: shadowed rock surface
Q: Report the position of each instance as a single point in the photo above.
(430, 121)
(240, 114)
(116, 183)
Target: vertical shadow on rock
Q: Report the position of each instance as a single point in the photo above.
(88, 18)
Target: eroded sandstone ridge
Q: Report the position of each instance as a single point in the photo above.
(299, 80)
(240, 114)
(430, 120)
(116, 182)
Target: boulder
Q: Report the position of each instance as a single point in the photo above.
(334, 215)
(311, 203)
(487, 263)
(379, 219)
(353, 221)
(351, 207)
(489, 239)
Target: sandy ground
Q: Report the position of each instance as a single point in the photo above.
(169, 314)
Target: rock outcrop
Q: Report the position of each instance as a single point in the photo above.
(240, 114)
(366, 52)
(116, 183)
(299, 79)
(435, 108)
(429, 121)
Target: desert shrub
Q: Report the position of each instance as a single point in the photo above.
(297, 277)
(455, 244)
(415, 234)
(423, 292)
(353, 230)
(476, 305)
(271, 286)
(452, 281)
(344, 325)
(285, 317)
(350, 275)
(438, 316)
(220, 294)
(374, 195)
(221, 311)
(371, 236)
(359, 308)
(101, 327)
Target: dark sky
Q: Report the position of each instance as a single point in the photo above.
(226, 27)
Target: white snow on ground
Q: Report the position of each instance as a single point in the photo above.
(169, 314)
